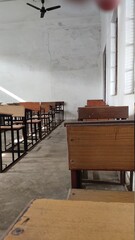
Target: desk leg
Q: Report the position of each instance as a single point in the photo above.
(85, 174)
(122, 178)
(76, 178)
(40, 130)
(131, 181)
(0, 152)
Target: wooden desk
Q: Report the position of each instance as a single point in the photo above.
(101, 196)
(101, 147)
(16, 111)
(74, 220)
(96, 102)
(34, 106)
(108, 146)
(47, 106)
(10, 141)
(102, 112)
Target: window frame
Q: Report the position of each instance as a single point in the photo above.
(132, 70)
(114, 21)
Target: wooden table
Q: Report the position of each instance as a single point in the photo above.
(74, 220)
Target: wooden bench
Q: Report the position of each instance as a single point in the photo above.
(102, 146)
(42, 112)
(12, 139)
(71, 220)
(18, 116)
(34, 106)
(55, 110)
(96, 113)
(33, 115)
(15, 110)
(23, 116)
(49, 114)
(59, 109)
(103, 113)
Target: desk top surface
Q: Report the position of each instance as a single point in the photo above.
(74, 220)
(98, 122)
(16, 111)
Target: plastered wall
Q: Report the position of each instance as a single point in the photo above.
(55, 58)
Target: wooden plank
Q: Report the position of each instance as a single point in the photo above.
(14, 127)
(101, 196)
(96, 102)
(101, 147)
(34, 121)
(46, 106)
(52, 104)
(34, 106)
(59, 103)
(71, 220)
(88, 123)
(16, 111)
(100, 106)
(103, 113)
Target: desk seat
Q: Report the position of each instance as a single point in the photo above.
(74, 220)
(18, 122)
(14, 127)
(34, 121)
(101, 196)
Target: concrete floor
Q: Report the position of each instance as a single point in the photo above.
(42, 173)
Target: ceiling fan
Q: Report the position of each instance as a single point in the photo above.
(43, 10)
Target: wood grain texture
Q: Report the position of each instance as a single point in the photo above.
(14, 110)
(52, 104)
(94, 102)
(102, 113)
(14, 127)
(34, 121)
(101, 147)
(101, 196)
(99, 122)
(34, 106)
(46, 106)
(75, 220)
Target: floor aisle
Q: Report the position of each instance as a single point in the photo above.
(42, 173)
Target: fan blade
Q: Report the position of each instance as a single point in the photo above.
(33, 6)
(53, 8)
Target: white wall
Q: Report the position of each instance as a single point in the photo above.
(120, 98)
(55, 58)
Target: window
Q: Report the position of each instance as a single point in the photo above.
(113, 55)
(104, 73)
(129, 46)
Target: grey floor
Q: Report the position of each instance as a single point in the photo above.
(42, 173)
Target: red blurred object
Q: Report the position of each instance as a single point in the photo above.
(107, 5)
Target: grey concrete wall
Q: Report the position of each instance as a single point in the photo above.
(55, 58)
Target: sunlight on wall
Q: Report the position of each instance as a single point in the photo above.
(11, 94)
